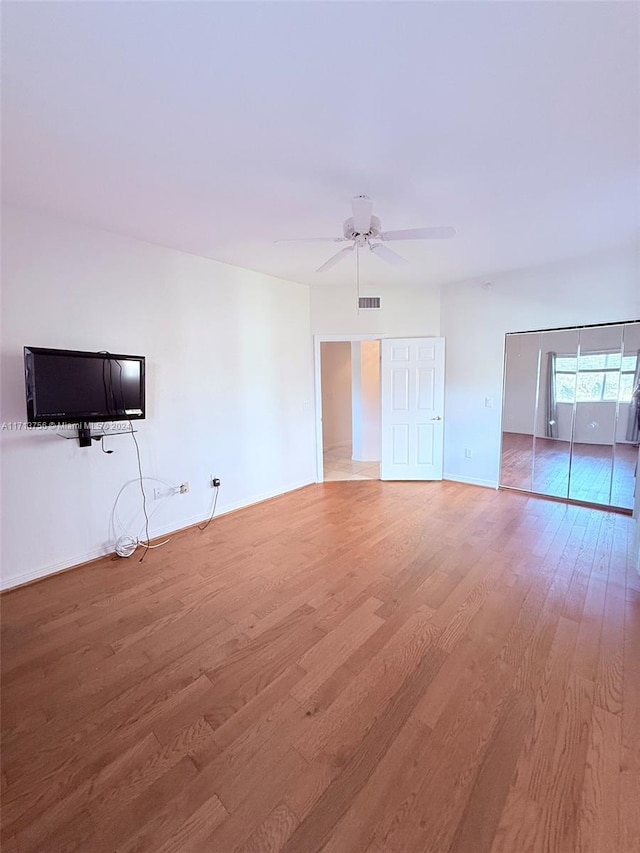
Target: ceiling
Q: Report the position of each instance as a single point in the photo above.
(217, 128)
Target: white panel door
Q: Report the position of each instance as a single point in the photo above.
(412, 408)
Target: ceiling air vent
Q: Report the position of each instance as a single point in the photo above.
(369, 302)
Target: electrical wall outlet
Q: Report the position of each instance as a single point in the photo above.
(215, 482)
(161, 492)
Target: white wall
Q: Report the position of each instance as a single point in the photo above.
(365, 382)
(335, 365)
(474, 319)
(406, 311)
(229, 386)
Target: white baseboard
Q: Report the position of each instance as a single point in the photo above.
(471, 481)
(155, 533)
(54, 568)
(256, 499)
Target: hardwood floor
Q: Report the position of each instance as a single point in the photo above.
(356, 666)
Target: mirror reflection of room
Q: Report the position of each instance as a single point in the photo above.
(570, 418)
(554, 423)
(522, 355)
(625, 465)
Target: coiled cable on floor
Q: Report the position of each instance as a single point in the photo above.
(125, 546)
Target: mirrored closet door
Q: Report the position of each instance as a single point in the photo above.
(571, 411)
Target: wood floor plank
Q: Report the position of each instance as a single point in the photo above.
(165, 822)
(347, 720)
(38, 827)
(189, 836)
(304, 794)
(399, 770)
(487, 630)
(560, 802)
(538, 754)
(100, 701)
(609, 669)
(390, 667)
(260, 799)
(319, 823)
(521, 814)
(335, 647)
(257, 708)
(518, 825)
(459, 743)
(599, 818)
(256, 754)
(477, 826)
(105, 736)
(630, 718)
(255, 665)
(272, 833)
(112, 828)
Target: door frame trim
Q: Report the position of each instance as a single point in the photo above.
(317, 340)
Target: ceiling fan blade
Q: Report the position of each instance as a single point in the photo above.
(335, 259)
(420, 234)
(387, 254)
(362, 207)
(313, 240)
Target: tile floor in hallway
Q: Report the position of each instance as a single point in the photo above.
(338, 465)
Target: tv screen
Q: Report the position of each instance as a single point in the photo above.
(66, 386)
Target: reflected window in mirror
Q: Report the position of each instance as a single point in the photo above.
(603, 377)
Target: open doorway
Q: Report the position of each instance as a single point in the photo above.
(349, 429)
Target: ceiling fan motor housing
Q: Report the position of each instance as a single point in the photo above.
(351, 234)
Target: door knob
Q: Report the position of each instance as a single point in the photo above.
(437, 418)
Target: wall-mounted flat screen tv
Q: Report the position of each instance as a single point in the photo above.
(68, 386)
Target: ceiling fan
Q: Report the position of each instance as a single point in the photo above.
(364, 230)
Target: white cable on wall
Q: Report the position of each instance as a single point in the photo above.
(126, 544)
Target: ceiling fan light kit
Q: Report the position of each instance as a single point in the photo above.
(362, 227)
